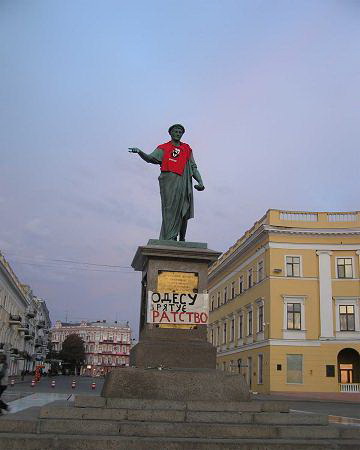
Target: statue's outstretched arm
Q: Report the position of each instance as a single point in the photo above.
(154, 158)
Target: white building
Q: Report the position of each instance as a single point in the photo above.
(24, 323)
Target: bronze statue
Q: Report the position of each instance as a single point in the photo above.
(178, 167)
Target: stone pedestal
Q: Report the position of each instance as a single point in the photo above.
(175, 385)
(174, 361)
(172, 347)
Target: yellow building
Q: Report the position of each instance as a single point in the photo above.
(285, 303)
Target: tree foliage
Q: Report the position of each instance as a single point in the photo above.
(51, 352)
(73, 351)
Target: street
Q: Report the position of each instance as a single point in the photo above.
(63, 385)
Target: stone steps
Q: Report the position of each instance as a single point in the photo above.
(93, 422)
(179, 430)
(83, 401)
(10, 441)
(163, 415)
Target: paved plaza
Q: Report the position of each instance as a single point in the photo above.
(23, 396)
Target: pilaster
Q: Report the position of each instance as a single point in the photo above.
(326, 307)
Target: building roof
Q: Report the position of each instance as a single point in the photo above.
(98, 323)
(300, 221)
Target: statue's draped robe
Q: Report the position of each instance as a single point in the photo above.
(177, 203)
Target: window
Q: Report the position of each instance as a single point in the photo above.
(224, 366)
(212, 336)
(239, 365)
(250, 278)
(261, 318)
(330, 371)
(241, 327)
(218, 335)
(260, 368)
(212, 304)
(294, 369)
(294, 316)
(347, 317)
(233, 289)
(344, 267)
(250, 323)
(260, 271)
(224, 332)
(232, 329)
(218, 299)
(225, 294)
(293, 266)
(241, 285)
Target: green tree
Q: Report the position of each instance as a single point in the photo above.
(73, 352)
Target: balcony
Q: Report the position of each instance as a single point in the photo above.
(349, 387)
(30, 314)
(23, 327)
(39, 342)
(14, 319)
(29, 336)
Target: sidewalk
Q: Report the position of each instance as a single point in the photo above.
(341, 397)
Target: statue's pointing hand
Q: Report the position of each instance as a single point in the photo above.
(134, 150)
(199, 187)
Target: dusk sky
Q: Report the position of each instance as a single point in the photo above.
(268, 92)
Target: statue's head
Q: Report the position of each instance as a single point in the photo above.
(176, 131)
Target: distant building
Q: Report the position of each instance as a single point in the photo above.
(24, 323)
(107, 345)
(285, 303)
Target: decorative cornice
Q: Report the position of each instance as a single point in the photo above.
(312, 231)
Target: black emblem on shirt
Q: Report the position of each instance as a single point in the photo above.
(175, 153)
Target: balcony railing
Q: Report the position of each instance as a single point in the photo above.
(349, 387)
(23, 327)
(14, 319)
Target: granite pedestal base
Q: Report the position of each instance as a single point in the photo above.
(173, 348)
(181, 385)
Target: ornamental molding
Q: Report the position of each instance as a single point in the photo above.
(312, 231)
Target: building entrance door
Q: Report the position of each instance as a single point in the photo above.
(348, 366)
(346, 373)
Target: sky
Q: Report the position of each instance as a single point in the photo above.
(268, 92)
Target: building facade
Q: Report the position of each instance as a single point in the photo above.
(24, 323)
(285, 303)
(107, 345)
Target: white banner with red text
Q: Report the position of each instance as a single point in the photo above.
(178, 308)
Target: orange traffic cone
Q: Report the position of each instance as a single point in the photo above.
(12, 382)
(93, 385)
(53, 383)
(73, 384)
(32, 383)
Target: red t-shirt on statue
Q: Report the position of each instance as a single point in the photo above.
(175, 158)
